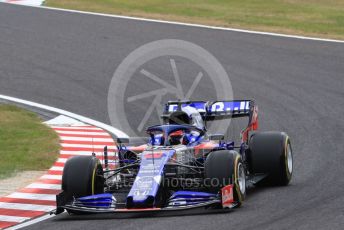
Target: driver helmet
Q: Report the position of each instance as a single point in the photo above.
(176, 137)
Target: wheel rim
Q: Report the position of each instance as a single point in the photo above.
(241, 178)
(289, 159)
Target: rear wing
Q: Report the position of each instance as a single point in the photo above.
(218, 110)
(214, 110)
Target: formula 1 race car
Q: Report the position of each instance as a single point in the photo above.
(182, 167)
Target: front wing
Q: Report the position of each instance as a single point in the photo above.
(224, 202)
(209, 207)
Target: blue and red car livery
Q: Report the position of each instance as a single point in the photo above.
(182, 166)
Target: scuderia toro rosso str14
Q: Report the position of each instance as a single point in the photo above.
(182, 167)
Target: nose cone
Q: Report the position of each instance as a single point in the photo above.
(147, 182)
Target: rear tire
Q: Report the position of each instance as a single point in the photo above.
(225, 167)
(82, 176)
(271, 153)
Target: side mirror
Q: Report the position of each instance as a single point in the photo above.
(216, 137)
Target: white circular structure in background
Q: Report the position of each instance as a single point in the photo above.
(161, 48)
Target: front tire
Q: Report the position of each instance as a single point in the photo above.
(82, 176)
(225, 167)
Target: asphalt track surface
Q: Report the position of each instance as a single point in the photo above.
(67, 60)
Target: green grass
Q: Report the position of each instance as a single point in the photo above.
(25, 143)
(324, 18)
